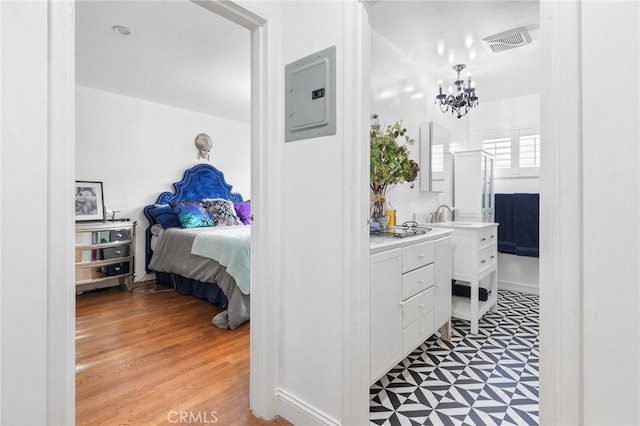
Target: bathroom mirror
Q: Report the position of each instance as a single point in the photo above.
(435, 160)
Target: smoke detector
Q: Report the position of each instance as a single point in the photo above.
(506, 40)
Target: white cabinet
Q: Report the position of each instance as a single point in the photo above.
(442, 284)
(473, 186)
(385, 311)
(475, 261)
(409, 297)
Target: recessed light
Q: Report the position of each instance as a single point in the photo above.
(121, 30)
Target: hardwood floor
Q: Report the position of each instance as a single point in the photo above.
(151, 359)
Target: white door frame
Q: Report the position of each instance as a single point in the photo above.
(355, 297)
(561, 204)
(262, 371)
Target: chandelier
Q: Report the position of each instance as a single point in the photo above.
(460, 98)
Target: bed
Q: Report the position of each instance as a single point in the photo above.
(203, 254)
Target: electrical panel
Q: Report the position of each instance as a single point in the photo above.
(310, 96)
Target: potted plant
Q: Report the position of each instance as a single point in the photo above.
(390, 163)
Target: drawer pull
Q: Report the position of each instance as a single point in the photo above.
(118, 235)
(492, 236)
(421, 255)
(483, 239)
(492, 256)
(420, 281)
(118, 251)
(422, 331)
(421, 305)
(483, 261)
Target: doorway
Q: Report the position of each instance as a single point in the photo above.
(253, 27)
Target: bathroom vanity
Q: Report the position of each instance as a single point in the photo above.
(475, 261)
(410, 295)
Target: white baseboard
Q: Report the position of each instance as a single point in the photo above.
(298, 412)
(519, 287)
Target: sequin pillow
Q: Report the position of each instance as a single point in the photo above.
(221, 211)
(192, 215)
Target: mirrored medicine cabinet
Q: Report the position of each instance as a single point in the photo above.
(435, 159)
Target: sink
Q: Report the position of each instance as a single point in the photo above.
(450, 224)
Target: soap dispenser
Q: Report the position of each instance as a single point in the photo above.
(390, 211)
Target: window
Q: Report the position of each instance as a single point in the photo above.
(529, 151)
(437, 158)
(516, 152)
(501, 150)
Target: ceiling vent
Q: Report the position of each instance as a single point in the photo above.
(508, 39)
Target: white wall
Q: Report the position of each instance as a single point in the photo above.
(392, 72)
(589, 293)
(518, 273)
(138, 148)
(37, 306)
(24, 136)
(611, 177)
(310, 325)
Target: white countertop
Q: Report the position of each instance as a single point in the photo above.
(378, 243)
(460, 225)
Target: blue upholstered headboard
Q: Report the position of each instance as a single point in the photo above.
(199, 182)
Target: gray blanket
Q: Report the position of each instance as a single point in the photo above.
(173, 255)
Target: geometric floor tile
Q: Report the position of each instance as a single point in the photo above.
(490, 378)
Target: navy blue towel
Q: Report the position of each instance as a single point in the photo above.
(526, 209)
(506, 230)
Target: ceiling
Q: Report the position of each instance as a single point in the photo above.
(417, 28)
(178, 54)
(183, 55)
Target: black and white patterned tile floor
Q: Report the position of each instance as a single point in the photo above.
(486, 379)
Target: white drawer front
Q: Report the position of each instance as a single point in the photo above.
(417, 306)
(487, 258)
(418, 332)
(487, 238)
(416, 281)
(417, 255)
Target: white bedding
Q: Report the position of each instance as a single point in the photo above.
(231, 247)
(173, 256)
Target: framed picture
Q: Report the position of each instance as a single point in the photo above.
(89, 201)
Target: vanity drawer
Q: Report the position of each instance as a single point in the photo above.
(417, 255)
(417, 332)
(487, 237)
(416, 281)
(417, 306)
(487, 258)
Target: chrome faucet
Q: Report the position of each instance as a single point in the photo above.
(438, 215)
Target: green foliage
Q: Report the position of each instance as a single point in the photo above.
(390, 163)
